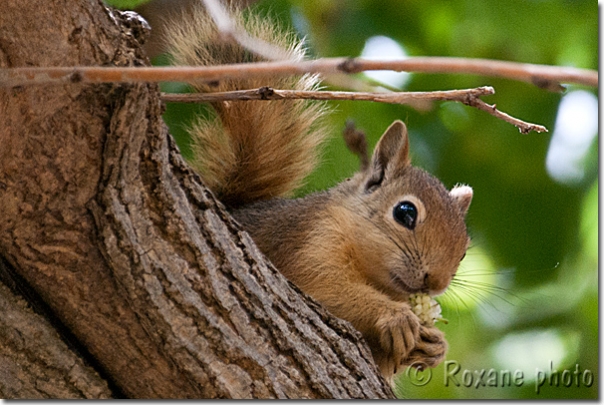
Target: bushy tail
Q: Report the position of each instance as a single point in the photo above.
(252, 150)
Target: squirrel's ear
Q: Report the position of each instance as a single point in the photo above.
(462, 195)
(391, 153)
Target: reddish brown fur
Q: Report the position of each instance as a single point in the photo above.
(254, 150)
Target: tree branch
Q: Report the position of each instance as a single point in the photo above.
(43, 367)
(470, 97)
(114, 232)
(543, 76)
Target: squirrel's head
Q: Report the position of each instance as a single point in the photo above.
(413, 233)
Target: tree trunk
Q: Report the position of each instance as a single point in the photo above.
(164, 295)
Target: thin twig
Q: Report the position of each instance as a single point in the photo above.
(541, 75)
(523, 126)
(470, 97)
(267, 93)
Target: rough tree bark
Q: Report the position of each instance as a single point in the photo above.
(132, 256)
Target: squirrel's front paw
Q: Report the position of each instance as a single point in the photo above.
(430, 349)
(399, 332)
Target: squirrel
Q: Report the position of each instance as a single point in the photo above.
(360, 248)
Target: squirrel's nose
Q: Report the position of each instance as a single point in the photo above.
(436, 284)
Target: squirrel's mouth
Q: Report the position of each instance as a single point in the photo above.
(402, 285)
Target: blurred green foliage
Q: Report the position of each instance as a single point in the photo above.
(530, 292)
(126, 4)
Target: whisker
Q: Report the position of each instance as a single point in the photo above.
(498, 291)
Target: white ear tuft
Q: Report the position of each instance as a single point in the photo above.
(462, 195)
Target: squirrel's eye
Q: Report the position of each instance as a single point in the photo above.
(405, 214)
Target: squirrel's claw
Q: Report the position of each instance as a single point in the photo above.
(430, 349)
(399, 332)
